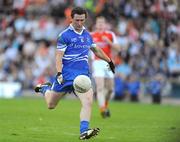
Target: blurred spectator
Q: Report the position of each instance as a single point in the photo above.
(119, 89)
(154, 87)
(123, 70)
(173, 60)
(133, 87)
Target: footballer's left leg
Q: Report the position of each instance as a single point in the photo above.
(85, 115)
(89, 133)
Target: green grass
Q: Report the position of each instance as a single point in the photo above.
(28, 120)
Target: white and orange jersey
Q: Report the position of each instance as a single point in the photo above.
(98, 39)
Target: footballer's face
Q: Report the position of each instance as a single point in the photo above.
(78, 21)
(100, 24)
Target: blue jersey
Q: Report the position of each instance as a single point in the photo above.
(76, 48)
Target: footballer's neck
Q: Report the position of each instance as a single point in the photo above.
(79, 30)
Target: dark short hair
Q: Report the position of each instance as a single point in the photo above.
(79, 11)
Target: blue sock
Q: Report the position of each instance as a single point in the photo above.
(44, 89)
(84, 125)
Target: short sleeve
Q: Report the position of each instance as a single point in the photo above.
(61, 43)
(93, 44)
(115, 41)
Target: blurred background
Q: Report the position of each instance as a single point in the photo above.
(148, 31)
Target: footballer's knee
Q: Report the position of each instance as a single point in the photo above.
(99, 90)
(110, 91)
(88, 102)
(51, 106)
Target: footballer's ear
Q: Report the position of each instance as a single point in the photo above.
(71, 20)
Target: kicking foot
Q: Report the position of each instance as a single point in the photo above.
(38, 88)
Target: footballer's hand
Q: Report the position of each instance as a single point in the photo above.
(59, 77)
(106, 39)
(111, 66)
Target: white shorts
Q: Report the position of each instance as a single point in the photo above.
(101, 69)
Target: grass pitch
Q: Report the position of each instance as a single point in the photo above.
(29, 120)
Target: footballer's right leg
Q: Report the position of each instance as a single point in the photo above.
(52, 98)
(109, 87)
(101, 94)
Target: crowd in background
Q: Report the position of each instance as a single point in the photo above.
(148, 32)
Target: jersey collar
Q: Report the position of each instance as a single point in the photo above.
(72, 28)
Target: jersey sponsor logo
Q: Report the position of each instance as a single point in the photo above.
(102, 44)
(74, 39)
(81, 38)
(79, 46)
(95, 38)
(88, 39)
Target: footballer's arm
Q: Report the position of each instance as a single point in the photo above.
(100, 53)
(114, 44)
(59, 55)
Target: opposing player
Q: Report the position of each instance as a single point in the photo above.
(104, 78)
(72, 60)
